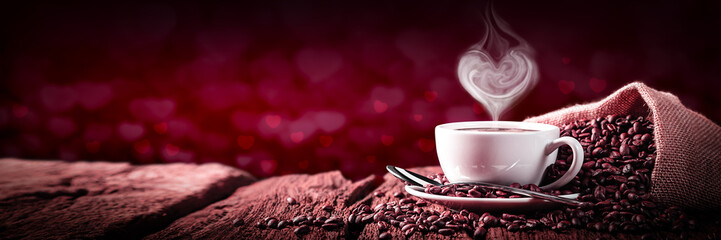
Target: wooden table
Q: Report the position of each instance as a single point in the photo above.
(54, 199)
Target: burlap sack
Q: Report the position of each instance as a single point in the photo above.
(688, 145)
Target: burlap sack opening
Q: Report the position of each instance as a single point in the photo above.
(687, 172)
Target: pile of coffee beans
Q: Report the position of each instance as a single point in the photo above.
(410, 216)
(619, 152)
(474, 191)
(613, 186)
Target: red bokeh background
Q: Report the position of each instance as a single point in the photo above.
(288, 87)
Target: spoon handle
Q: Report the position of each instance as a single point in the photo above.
(417, 177)
(419, 180)
(401, 176)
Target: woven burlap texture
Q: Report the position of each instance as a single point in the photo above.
(687, 172)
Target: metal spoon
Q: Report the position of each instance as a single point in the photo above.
(419, 180)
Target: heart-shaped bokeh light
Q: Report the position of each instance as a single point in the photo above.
(493, 72)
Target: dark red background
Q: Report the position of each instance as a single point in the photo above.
(288, 87)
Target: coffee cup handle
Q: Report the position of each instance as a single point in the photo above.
(575, 165)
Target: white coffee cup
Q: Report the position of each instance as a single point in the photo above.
(486, 151)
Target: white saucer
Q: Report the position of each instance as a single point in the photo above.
(487, 204)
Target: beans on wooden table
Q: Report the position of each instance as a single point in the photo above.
(613, 185)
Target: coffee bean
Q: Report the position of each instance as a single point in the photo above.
(328, 208)
(576, 222)
(648, 236)
(408, 226)
(599, 193)
(629, 228)
(639, 219)
(490, 221)
(297, 220)
(475, 194)
(367, 219)
(398, 195)
(291, 201)
(648, 204)
(454, 225)
(385, 235)
(302, 230)
(479, 233)
(585, 205)
(261, 224)
(598, 227)
(408, 233)
(383, 226)
(283, 224)
(379, 217)
(632, 197)
(563, 225)
(406, 201)
(446, 231)
(513, 227)
(238, 222)
(330, 226)
(614, 227)
(273, 223)
(333, 220)
(394, 222)
(316, 222)
(378, 194)
(624, 150)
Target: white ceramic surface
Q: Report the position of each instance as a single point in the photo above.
(503, 157)
(487, 204)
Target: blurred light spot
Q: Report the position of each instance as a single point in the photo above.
(379, 106)
(93, 95)
(272, 120)
(597, 85)
(131, 131)
(58, 98)
(171, 150)
(160, 128)
(325, 141)
(318, 64)
(426, 145)
(566, 87)
(296, 137)
(142, 146)
(246, 142)
(329, 121)
(268, 166)
(152, 110)
(387, 140)
(19, 111)
(430, 95)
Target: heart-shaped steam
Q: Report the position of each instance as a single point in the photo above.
(498, 82)
(497, 85)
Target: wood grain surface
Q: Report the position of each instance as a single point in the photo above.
(61, 200)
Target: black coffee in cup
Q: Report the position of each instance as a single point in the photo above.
(492, 129)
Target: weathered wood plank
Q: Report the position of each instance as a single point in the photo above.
(267, 198)
(59, 200)
(52, 199)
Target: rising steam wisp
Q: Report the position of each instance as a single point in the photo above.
(496, 73)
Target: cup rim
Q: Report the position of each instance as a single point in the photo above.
(539, 127)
